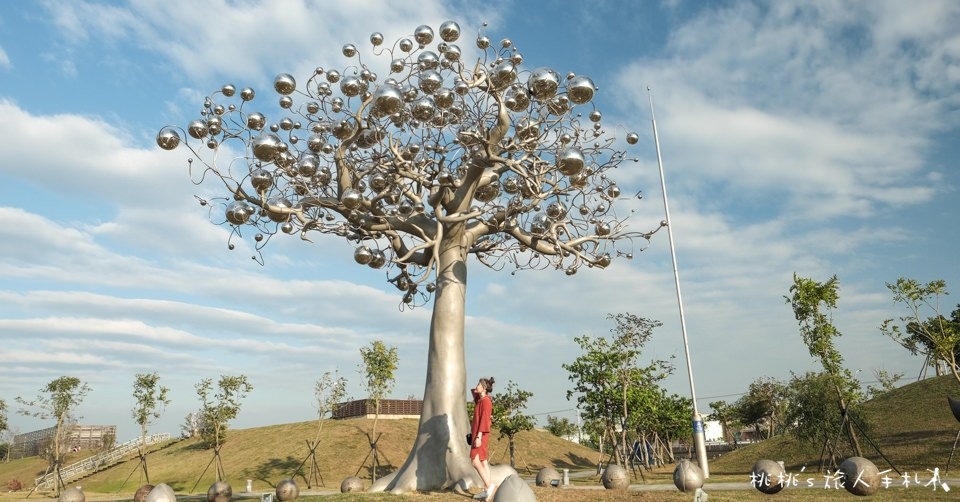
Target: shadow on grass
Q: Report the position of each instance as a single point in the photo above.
(274, 468)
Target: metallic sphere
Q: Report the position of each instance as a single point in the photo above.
(267, 146)
(237, 212)
(351, 198)
(376, 38)
(767, 476)
(615, 477)
(423, 35)
(261, 179)
(570, 161)
(247, 94)
(504, 74)
(161, 493)
(547, 476)
(285, 84)
(543, 83)
(349, 50)
(220, 492)
(387, 100)
(168, 138)
(362, 255)
(228, 90)
(860, 476)
(197, 129)
(632, 138)
(141, 494)
(351, 484)
(287, 490)
(449, 31)
(256, 121)
(72, 495)
(580, 89)
(687, 476)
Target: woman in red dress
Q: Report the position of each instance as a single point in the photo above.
(480, 430)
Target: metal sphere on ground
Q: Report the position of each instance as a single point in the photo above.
(141, 493)
(546, 477)
(74, 494)
(287, 490)
(687, 476)
(351, 484)
(220, 492)
(615, 477)
(860, 476)
(161, 493)
(514, 489)
(767, 476)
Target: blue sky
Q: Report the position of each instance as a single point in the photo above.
(810, 137)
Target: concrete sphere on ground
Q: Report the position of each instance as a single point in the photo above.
(220, 492)
(287, 490)
(687, 476)
(141, 494)
(161, 493)
(615, 477)
(351, 484)
(860, 476)
(767, 476)
(546, 476)
(72, 495)
(514, 489)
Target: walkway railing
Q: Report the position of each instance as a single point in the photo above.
(92, 464)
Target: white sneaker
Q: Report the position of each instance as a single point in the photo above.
(481, 496)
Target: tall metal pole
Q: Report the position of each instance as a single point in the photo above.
(699, 441)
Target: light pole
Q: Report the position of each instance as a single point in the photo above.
(698, 433)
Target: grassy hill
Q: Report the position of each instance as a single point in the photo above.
(912, 426)
(270, 454)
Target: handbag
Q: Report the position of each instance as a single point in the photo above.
(470, 438)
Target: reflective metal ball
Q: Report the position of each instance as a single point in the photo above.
(284, 83)
(687, 476)
(168, 138)
(449, 31)
(287, 490)
(220, 492)
(767, 476)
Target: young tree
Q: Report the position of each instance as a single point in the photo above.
(813, 305)
(63, 395)
(440, 160)
(561, 427)
(508, 417)
(606, 375)
(925, 330)
(329, 391)
(888, 381)
(219, 407)
(379, 365)
(151, 399)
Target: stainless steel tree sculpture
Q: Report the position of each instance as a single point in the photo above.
(435, 162)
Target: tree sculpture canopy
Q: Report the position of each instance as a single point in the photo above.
(420, 156)
(520, 156)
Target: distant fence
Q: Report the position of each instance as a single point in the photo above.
(30, 444)
(389, 408)
(92, 464)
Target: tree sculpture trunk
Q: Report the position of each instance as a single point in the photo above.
(440, 455)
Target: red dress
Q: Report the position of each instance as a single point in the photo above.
(482, 410)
